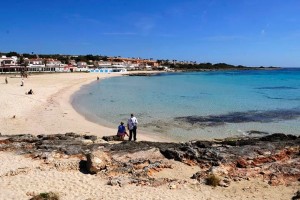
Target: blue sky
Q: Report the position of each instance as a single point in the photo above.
(246, 32)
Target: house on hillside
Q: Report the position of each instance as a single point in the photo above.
(52, 63)
(8, 61)
(9, 64)
(82, 66)
(35, 64)
(72, 62)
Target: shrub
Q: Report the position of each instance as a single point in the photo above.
(46, 196)
(213, 180)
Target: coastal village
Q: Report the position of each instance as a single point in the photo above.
(110, 64)
(13, 62)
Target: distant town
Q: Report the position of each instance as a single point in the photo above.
(14, 62)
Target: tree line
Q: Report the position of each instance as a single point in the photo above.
(63, 58)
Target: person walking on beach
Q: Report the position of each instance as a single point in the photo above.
(132, 126)
(6, 81)
(22, 82)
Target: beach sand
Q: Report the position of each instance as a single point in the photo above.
(21, 178)
(49, 111)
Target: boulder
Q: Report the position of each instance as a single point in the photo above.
(97, 160)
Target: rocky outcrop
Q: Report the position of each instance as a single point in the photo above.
(141, 74)
(273, 158)
(112, 138)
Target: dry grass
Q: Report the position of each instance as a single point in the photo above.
(46, 196)
(213, 180)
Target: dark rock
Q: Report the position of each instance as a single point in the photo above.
(173, 154)
(242, 117)
(198, 176)
(112, 138)
(23, 138)
(70, 134)
(296, 196)
(253, 132)
(142, 74)
(90, 137)
(203, 144)
(278, 137)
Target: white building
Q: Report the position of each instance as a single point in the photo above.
(8, 61)
(53, 63)
(35, 63)
(81, 64)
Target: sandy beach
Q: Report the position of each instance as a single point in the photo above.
(49, 111)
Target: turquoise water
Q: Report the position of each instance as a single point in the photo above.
(198, 105)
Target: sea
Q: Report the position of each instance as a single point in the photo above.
(198, 105)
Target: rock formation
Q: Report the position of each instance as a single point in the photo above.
(274, 158)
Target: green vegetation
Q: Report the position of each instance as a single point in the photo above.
(203, 66)
(46, 196)
(63, 58)
(213, 180)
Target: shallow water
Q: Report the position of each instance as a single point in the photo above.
(198, 105)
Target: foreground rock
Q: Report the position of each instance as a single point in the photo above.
(274, 158)
(97, 161)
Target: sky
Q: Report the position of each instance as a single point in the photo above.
(238, 32)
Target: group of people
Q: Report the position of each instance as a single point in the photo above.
(22, 84)
(22, 81)
(131, 126)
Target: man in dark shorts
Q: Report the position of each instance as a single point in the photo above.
(132, 126)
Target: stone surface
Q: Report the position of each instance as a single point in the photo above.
(112, 138)
(97, 161)
(274, 158)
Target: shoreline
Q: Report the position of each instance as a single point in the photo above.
(50, 109)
